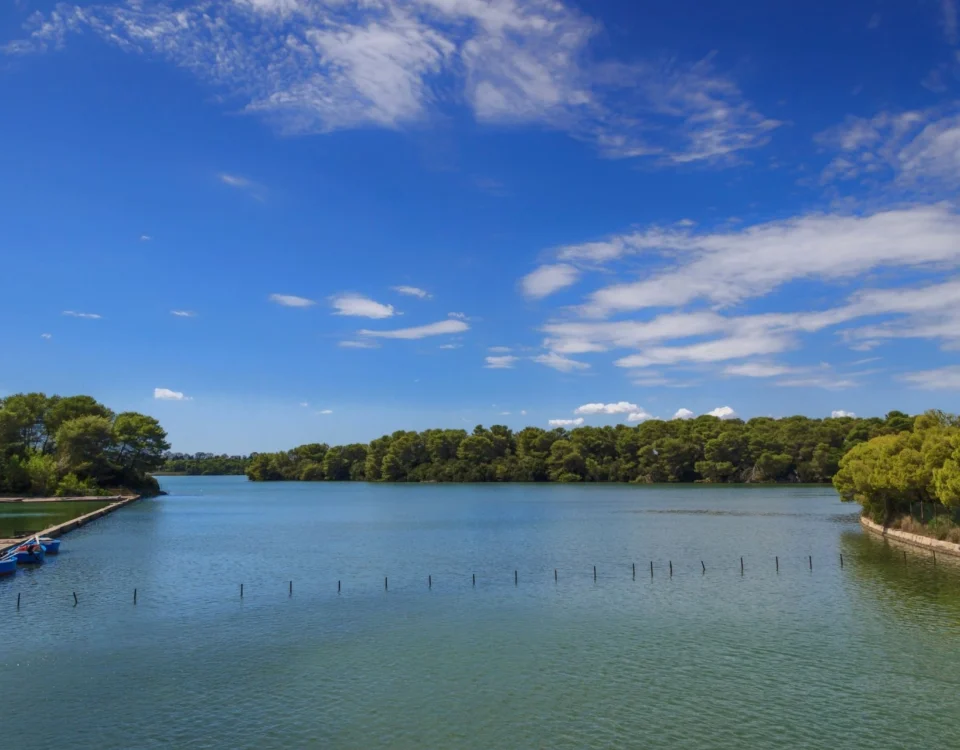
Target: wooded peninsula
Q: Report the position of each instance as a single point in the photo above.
(74, 446)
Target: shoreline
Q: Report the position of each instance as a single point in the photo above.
(71, 499)
(62, 528)
(915, 540)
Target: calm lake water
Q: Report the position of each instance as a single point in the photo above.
(860, 657)
(20, 519)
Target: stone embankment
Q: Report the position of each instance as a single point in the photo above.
(917, 540)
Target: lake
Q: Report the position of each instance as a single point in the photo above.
(862, 656)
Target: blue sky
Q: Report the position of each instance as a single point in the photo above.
(269, 222)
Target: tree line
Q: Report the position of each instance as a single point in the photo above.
(204, 464)
(705, 449)
(74, 445)
(893, 474)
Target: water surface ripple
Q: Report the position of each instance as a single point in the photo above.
(858, 657)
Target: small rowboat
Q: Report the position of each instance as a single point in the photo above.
(51, 545)
(30, 553)
(8, 565)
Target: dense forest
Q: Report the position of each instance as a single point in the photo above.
(203, 464)
(707, 449)
(74, 445)
(908, 476)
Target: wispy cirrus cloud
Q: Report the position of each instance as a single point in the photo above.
(560, 362)
(442, 328)
(412, 291)
(504, 362)
(939, 379)
(316, 67)
(566, 422)
(183, 313)
(87, 316)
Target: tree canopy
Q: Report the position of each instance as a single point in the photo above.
(891, 472)
(707, 449)
(204, 464)
(75, 445)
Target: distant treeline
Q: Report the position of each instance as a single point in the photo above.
(708, 449)
(203, 464)
(74, 445)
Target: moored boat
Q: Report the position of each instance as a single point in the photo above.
(8, 565)
(30, 553)
(51, 545)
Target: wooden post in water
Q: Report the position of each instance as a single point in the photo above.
(338, 587)
(75, 602)
(671, 568)
(18, 600)
(134, 596)
(474, 579)
(514, 578)
(291, 588)
(384, 583)
(651, 568)
(429, 582)
(841, 559)
(703, 566)
(810, 558)
(594, 573)
(241, 591)
(634, 571)
(741, 566)
(777, 559)
(554, 575)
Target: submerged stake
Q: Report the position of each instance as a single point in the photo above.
(338, 587)
(291, 588)
(634, 570)
(134, 596)
(703, 566)
(18, 600)
(594, 572)
(241, 591)
(778, 563)
(671, 567)
(384, 583)
(474, 579)
(841, 559)
(651, 568)
(810, 558)
(741, 566)
(429, 582)
(75, 599)
(554, 575)
(514, 578)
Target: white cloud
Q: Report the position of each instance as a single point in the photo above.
(504, 414)
(46, 336)
(145, 238)
(183, 313)
(840, 413)
(621, 407)
(165, 394)
(723, 412)
(411, 291)
(357, 305)
(940, 379)
(359, 344)
(419, 332)
(639, 416)
(499, 349)
(683, 414)
(726, 268)
(718, 350)
(88, 316)
(561, 363)
(566, 422)
(916, 149)
(505, 362)
(546, 280)
(458, 316)
(829, 383)
(450, 346)
(290, 300)
(305, 404)
(327, 411)
(757, 370)
(316, 67)
(523, 412)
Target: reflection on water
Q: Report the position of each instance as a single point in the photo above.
(854, 657)
(20, 519)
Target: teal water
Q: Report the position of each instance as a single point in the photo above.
(860, 657)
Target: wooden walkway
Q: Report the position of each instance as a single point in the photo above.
(62, 528)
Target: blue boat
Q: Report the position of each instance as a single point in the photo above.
(30, 552)
(51, 545)
(8, 565)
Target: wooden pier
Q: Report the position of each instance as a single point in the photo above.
(62, 528)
